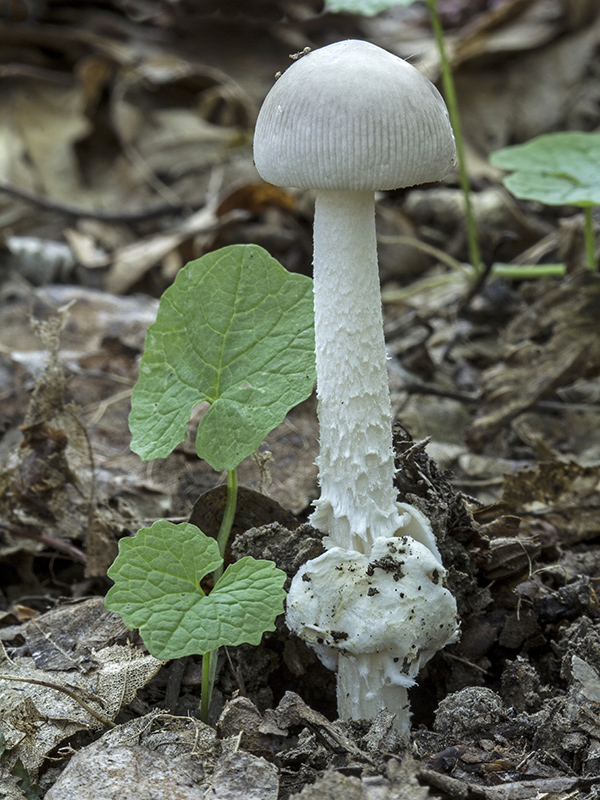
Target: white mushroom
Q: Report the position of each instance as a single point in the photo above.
(347, 120)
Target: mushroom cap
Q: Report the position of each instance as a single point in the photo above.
(351, 116)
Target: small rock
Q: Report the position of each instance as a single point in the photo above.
(242, 776)
(241, 718)
(103, 770)
(522, 687)
(469, 711)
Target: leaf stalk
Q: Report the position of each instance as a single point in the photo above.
(589, 238)
(209, 660)
(228, 516)
(461, 161)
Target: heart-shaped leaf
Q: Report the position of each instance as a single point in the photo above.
(366, 7)
(556, 169)
(235, 330)
(157, 577)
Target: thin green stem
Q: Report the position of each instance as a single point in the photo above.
(590, 239)
(209, 660)
(522, 272)
(207, 684)
(452, 102)
(525, 272)
(507, 272)
(228, 516)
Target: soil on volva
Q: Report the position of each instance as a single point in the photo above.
(495, 392)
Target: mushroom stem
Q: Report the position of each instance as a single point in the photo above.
(356, 463)
(363, 689)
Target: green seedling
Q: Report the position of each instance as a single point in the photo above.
(234, 331)
(368, 8)
(557, 169)
(157, 589)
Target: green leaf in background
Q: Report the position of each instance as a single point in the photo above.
(556, 169)
(368, 8)
(31, 791)
(157, 577)
(235, 330)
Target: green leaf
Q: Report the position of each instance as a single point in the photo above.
(367, 8)
(30, 789)
(556, 169)
(235, 330)
(157, 577)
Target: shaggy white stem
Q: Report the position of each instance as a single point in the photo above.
(356, 463)
(363, 689)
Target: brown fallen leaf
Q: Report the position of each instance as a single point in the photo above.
(292, 711)
(561, 495)
(47, 484)
(255, 197)
(253, 509)
(555, 342)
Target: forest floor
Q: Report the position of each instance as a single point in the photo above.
(125, 152)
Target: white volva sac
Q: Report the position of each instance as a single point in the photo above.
(347, 120)
(377, 619)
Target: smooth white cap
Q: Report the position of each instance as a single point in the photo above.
(351, 116)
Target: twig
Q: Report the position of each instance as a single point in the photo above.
(104, 216)
(549, 406)
(435, 252)
(100, 717)
(413, 387)
(57, 544)
(466, 662)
